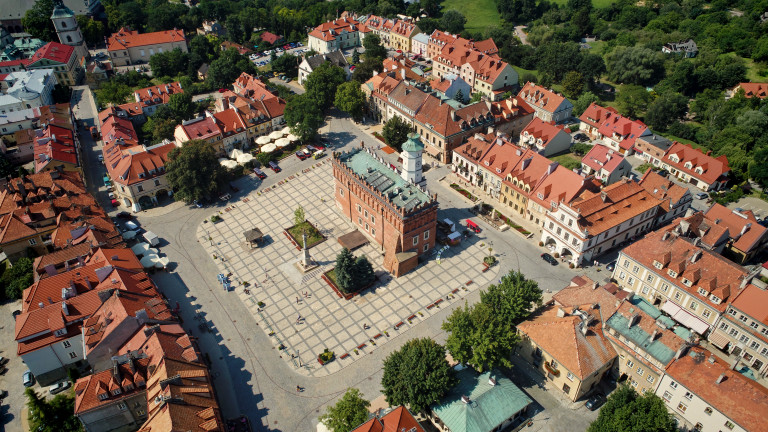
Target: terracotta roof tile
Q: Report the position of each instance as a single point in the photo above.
(743, 228)
(125, 38)
(713, 169)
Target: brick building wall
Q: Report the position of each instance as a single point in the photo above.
(391, 228)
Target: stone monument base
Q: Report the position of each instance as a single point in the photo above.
(299, 265)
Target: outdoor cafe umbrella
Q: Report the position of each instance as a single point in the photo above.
(244, 158)
(286, 130)
(141, 248)
(152, 251)
(263, 140)
(129, 235)
(131, 225)
(282, 142)
(269, 148)
(162, 262)
(275, 135)
(227, 163)
(292, 137)
(234, 154)
(150, 261)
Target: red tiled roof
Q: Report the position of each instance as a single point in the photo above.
(57, 144)
(739, 398)
(52, 51)
(663, 188)
(329, 30)
(270, 37)
(614, 205)
(539, 129)
(712, 168)
(746, 233)
(88, 389)
(229, 121)
(509, 109)
(125, 38)
(202, 129)
(541, 97)
(160, 94)
(600, 157)
(562, 186)
(758, 90)
(397, 420)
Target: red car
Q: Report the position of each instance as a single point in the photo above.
(222, 90)
(319, 146)
(286, 47)
(301, 155)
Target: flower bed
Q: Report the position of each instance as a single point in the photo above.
(314, 236)
(464, 192)
(509, 222)
(330, 278)
(325, 357)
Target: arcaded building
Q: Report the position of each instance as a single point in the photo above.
(391, 208)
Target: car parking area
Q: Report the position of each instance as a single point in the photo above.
(263, 58)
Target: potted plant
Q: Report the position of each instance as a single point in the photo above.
(325, 357)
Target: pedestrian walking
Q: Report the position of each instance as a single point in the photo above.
(298, 389)
(297, 300)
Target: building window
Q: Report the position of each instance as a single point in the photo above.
(708, 411)
(693, 305)
(723, 326)
(649, 278)
(72, 355)
(673, 384)
(373, 231)
(415, 240)
(626, 263)
(645, 289)
(678, 295)
(743, 319)
(157, 182)
(366, 226)
(733, 332)
(754, 325)
(365, 213)
(66, 344)
(32, 242)
(140, 413)
(743, 338)
(729, 425)
(426, 246)
(140, 188)
(341, 192)
(359, 221)
(688, 395)
(373, 219)
(426, 235)
(640, 371)
(706, 313)
(682, 407)
(664, 287)
(631, 281)
(122, 406)
(630, 363)
(635, 269)
(754, 345)
(566, 388)
(651, 379)
(667, 396)
(570, 376)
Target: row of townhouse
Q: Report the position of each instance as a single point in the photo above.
(147, 100)
(137, 170)
(588, 332)
(577, 219)
(128, 47)
(240, 117)
(65, 61)
(633, 137)
(342, 33)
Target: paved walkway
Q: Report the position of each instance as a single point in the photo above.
(304, 326)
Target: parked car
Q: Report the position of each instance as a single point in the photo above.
(222, 90)
(124, 215)
(318, 155)
(233, 187)
(16, 313)
(101, 158)
(259, 173)
(197, 204)
(275, 167)
(611, 266)
(301, 155)
(310, 148)
(28, 379)
(59, 387)
(702, 195)
(299, 44)
(549, 258)
(595, 401)
(662, 173)
(320, 146)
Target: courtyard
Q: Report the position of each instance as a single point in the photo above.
(299, 311)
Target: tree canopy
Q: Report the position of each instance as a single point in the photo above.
(353, 274)
(17, 278)
(304, 116)
(484, 335)
(55, 415)
(322, 83)
(627, 411)
(635, 65)
(395, 132)
(417, 375)
(348, 413)
(225, 69)
(193, 171)
(350, 99)
(452, 21)
(37, 21)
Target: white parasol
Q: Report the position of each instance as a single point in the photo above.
(292, 137)
(162, 262)
(227, 163)
(282, 142)
(286, 130)
(141, 248)
(275, 135)
(150, 261)
(244, 158)
(131, 225)
(129, 235)
(269, 148)
(234, 154)
(263, 140)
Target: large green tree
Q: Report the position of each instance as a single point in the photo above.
(304, 116)
(169, 63)
(395, 132)
(93, 30)
(452, 21)
(583, 102)
(350, 99)
(17, 278)
(417, 375)
(225, 69)
(37, 21)
(193, 171)
(665, 110)
(632, 100)
(55, 415)
(627, 411)
(322, 83)
(573, 84)
(348, 413)
(635, 65)
(484, 335)
(373, 47)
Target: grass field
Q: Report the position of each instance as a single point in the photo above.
(480, 14)
(595, 3)
(568, 160)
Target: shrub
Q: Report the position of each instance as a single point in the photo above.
(541, 243)
(215, 218)
(557, 255)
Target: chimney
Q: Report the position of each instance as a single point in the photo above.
(64, 308)
(745, 229)
(561, 313)
(491, 381)
(654, 334)
(720, 379)
(141, 316)
(632, 320)
(696, 255)
(680, 351)
(402, 73)
(41, 305)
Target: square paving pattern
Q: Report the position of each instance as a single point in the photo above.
(302, 329)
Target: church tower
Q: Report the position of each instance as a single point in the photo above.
(412, 150)
(66, 27)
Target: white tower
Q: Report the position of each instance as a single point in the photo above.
(66, 27)
(411, 155)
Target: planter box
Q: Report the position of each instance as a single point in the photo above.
(310, 242)
(339, 292)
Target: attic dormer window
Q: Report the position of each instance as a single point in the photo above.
(715, 299)
(672, 273)
(103, 396)
(686, 282)
(116, 391)
(702, 291)
(658, 265)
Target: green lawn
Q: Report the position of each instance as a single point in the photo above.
(568, 160)
(595, 3)
(480, 14)
(313, 235)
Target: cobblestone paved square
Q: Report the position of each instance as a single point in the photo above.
(304, 326)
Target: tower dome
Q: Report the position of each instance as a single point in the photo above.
(412, 150)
